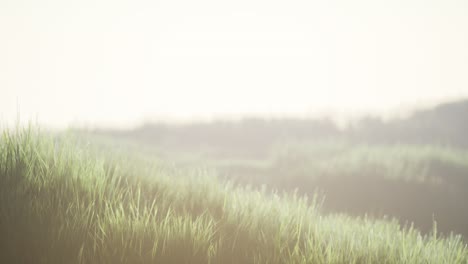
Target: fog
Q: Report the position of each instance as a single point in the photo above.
(120, 63)
(247, 131)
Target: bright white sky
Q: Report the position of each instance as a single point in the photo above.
(110, 62)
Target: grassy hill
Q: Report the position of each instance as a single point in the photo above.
(62, 202)
(414, 169)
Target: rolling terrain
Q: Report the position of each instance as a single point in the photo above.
(64, 202)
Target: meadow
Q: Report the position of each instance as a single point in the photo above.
(66, 200)
(359, 172)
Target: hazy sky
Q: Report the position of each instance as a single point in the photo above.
(113, 62)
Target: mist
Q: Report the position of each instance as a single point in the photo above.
(118, 63)
(233, 131)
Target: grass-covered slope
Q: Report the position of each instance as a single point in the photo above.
(62, 203)
(414, 183)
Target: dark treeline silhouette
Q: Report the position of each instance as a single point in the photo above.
(446, 124)
(249, 137)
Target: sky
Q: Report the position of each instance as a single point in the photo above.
(120, 63)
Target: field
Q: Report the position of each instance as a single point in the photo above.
(361, 173)
(63, 201)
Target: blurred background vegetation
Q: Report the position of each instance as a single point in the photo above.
(413, 168)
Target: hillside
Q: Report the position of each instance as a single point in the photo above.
(413, 169)
(61, 202)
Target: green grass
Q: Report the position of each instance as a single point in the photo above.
(62, 202)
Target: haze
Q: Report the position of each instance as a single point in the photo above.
(118, 63)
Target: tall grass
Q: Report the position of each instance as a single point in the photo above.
(61, 202)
